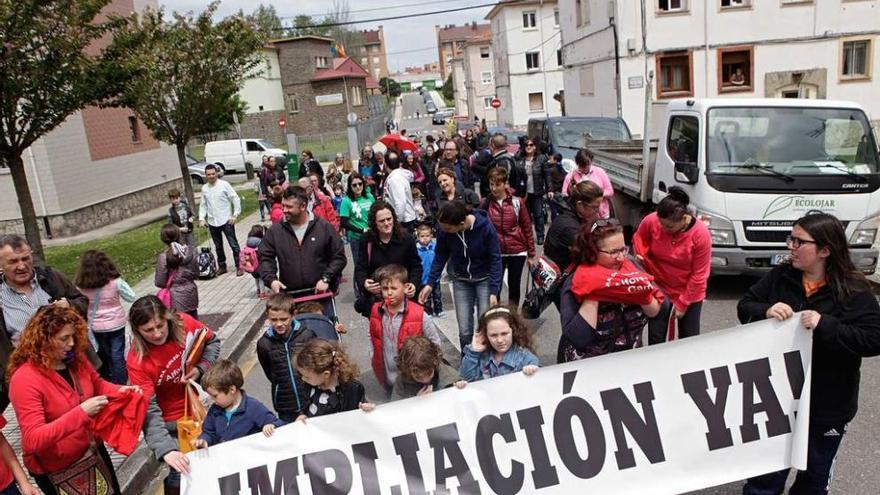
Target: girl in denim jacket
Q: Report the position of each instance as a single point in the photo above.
(501, 345)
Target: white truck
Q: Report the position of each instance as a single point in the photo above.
(751, 168)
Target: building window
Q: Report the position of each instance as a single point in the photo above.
(487, 102)
(357, 96)
(675, 74)
(559, 57)
(672, 5)
(486, 77)
(536, 102)
(587, 85)
(733, 4)
(556, 17)
(375, 60)
(321, 62)
(533, 60)
(529, 20)
(293, 103)
(374, 48)
(856, 59)
(363, 49)
(735, 69)
(376, 72)
(134, 129)
(365, 61)
(796, 2)
(484, 52)
(582, 12)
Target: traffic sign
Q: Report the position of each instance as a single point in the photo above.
(496, 103)
(282, 122)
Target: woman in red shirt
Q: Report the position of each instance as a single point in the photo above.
(512, 222)
(56, 394)
(676, 248)
(155, 364)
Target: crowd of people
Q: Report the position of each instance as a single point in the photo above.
(483, 214)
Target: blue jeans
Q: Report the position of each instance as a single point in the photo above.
(12, 489)
(217, 234)
(824, 440)
(266, 206)
(355, 245)
(111, 350)
(469, 296)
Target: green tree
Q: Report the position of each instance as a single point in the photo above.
(47, 72)
(184, 74)
(267, 21)
(448, 91)
(304, 25)
(389, 87)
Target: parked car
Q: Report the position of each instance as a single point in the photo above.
(228, 153)
(197, 170)
(566, 135)
(441, 115)
(431, 107)
(513, 137)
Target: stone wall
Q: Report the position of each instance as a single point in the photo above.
(100, 214)
(263, 125)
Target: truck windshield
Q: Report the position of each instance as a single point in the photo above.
(571, 133)
(790, 141)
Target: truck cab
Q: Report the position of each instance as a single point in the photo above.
(752, 167)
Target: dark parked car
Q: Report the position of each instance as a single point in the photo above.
(566, 135)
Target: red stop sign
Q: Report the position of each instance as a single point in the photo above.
(282, 122)
(496, 103)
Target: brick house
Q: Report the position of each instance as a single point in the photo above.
(99, 167)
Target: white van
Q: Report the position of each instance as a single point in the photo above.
(227, 153)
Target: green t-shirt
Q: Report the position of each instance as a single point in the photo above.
(357, 212)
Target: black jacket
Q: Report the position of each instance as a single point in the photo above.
(347, 397)
(57, 286)
(562, 234)
(398, 251)
(275, 353)
(516, 174)
(321, 254)
(307, 167)
(848, 331)
(174, 218)
(540, 172)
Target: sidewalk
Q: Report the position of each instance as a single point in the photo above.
(228, 305)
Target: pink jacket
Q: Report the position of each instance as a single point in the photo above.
(679, 262)
(596, 175)
(109, 315)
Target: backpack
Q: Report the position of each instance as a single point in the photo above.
(249, 254)
(207, 264)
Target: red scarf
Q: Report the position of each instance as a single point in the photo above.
(626, 285)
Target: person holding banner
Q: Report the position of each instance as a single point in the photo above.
(838, 306)
(676, 248)
(605, 304)
(158, 348)
(502, 345)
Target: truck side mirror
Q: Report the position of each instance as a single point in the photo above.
(686, 173)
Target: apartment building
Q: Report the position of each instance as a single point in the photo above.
(526, 49)
(451, 41)
(372, 55)
(717, 48)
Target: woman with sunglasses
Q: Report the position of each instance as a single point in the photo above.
(676, 248)
(606, 303)
(837, 305)
(534, 163)
(353, 212)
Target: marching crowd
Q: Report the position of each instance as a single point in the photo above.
(464, 205)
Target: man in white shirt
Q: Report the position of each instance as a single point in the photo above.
(398, 192)
(219, 209)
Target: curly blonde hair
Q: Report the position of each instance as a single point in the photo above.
(319, 355)
(36, 345)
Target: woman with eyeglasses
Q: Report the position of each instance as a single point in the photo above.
(582, 207)
(838, 306)
(530, 159)
(607, 301)
(353, 212)
(676, 248)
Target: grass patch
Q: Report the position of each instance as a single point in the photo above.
(134, 251)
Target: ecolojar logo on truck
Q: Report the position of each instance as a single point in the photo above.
(798, 204)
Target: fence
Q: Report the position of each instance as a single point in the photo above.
(323, 146)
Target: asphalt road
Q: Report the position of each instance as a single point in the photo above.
(854, 473)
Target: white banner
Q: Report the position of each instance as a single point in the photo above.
(672, 418)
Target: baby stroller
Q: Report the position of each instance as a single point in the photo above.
(324, 326)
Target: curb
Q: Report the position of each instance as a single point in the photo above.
(137, 471)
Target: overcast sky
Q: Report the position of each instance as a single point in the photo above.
(414, 36)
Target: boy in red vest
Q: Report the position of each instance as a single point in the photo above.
(394, 320)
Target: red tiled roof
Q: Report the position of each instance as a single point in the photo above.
(371, 37)
(455, 33)
(342, 67)
(371, 83)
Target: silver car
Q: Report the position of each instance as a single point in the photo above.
(197, 170)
